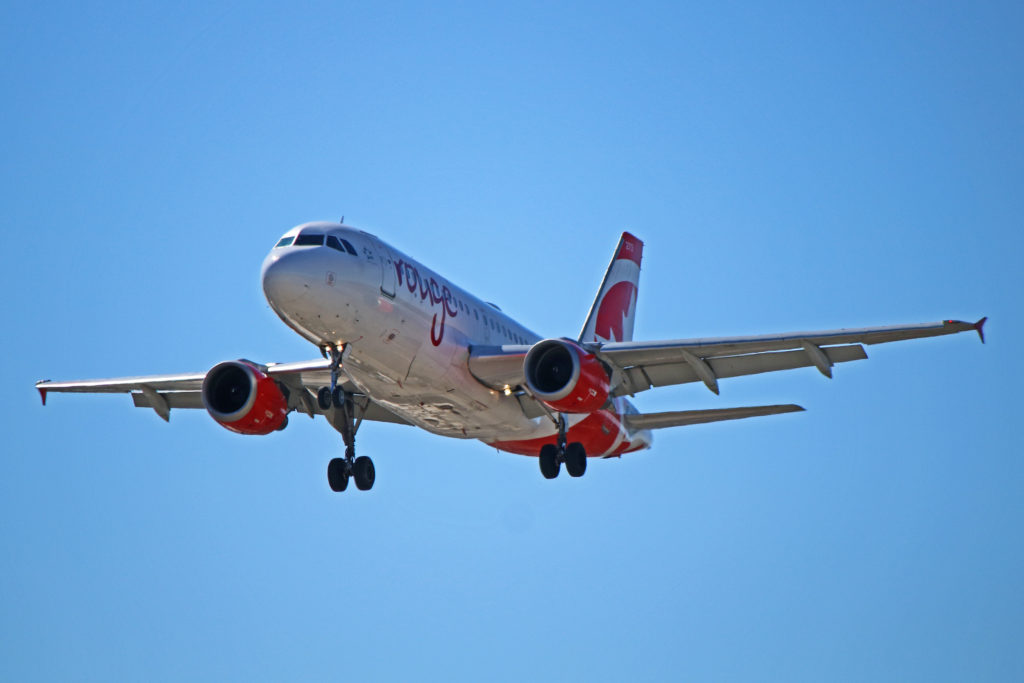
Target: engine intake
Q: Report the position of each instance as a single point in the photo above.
(567, 377)
(243, 399)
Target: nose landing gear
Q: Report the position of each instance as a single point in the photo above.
(345, 415)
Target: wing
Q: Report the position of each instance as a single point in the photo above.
(163, 392)
(639, 366)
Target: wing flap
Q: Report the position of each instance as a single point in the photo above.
(683, 418)
(642, 378)
(174, 399)
(194, 399)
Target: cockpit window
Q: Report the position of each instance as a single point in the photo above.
(285, 241)
(305, 240)
(341, 244)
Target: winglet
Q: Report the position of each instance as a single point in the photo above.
(980, 327)
(42, 393)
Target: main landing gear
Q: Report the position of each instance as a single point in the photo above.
(345, 419)
(573, 455)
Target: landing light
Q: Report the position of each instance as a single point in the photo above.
(508, 390)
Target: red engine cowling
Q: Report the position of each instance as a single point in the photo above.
(567, 377)
(243, 399)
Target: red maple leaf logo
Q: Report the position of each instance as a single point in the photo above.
(615, 307)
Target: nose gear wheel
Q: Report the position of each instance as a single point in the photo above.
(346, 415)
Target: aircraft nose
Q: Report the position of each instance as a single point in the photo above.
(285, 279)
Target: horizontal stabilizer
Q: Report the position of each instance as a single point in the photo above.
(682, 418)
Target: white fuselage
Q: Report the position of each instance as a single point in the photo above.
(407, 332)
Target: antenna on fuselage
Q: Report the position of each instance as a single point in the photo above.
(342, 221)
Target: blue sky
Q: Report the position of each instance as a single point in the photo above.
(794, 167)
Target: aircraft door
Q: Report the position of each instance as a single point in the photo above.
(388, 275)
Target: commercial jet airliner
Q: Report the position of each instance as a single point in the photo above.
(399, 343)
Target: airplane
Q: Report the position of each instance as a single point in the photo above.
(400, 343)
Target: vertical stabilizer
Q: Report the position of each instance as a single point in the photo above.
(614, 311)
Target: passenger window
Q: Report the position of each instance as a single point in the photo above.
(309, 240)
(285, 241)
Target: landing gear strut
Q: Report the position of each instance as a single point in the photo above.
(344, 418)
(345, 421)
(328, 396)
(574, 455)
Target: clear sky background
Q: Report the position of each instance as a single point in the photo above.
(789, 168)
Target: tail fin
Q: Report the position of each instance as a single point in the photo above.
(614, 310)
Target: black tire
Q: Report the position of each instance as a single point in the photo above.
(549, 464)
(337, 474)
(575, 459)
(364, 473)
(323, 398)
(284, 423)
(338, 397)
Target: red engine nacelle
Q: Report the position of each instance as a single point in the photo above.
(243, 399)
(567, 377)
